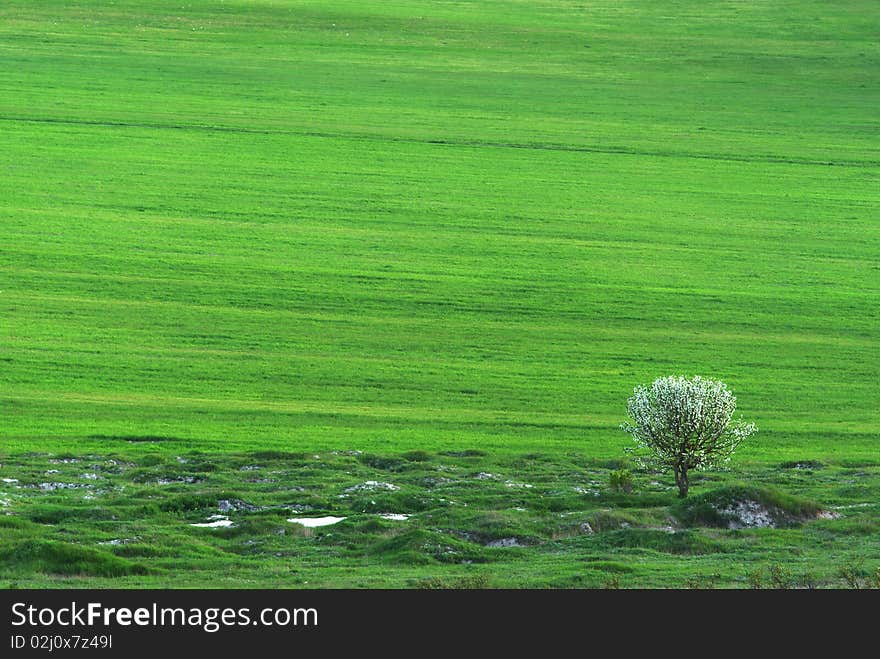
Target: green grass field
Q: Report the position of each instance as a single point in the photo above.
(246, 233)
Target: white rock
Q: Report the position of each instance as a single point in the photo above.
(313, 522)
(749, 514)
(220, 522)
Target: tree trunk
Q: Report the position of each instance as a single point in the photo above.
(681, 480)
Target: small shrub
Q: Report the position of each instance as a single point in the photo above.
(707, 582)
(857, 577)
(779, 577)
(756, 579)
(853, 575)
(612, 582)
(776, 576)
(621, 480)
(807, 581)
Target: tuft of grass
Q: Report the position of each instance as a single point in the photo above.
(470, 582)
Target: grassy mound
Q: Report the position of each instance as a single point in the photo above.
(684, 542)
(53, 557)
(723, 508)
(422, 546)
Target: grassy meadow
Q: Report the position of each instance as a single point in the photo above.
(283, 254)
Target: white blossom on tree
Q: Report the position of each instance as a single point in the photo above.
(685, 424)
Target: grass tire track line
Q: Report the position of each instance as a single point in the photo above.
(453, 143)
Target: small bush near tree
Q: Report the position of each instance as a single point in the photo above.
(621, 480)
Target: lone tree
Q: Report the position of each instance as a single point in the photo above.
(685, 424)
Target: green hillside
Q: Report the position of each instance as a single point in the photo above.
(229, 227)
